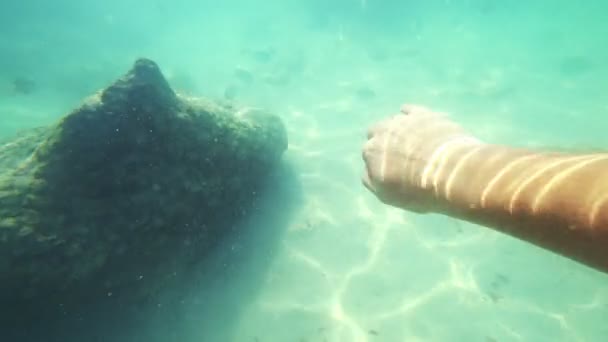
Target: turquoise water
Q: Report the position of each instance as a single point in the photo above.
(323, 260)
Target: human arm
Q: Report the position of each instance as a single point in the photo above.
(421, 161)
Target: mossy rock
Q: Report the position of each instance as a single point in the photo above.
(136, 181)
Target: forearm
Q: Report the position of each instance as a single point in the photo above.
(556, 201)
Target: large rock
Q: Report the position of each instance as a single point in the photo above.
(126, 190)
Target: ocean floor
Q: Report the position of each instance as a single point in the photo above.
(323, 260)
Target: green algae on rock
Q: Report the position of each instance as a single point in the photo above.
(131, 184)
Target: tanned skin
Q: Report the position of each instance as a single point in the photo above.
(419, 160)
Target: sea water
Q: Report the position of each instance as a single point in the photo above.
(322, 259)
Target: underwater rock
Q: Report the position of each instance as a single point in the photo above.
(137, 183)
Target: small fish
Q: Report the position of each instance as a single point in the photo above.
(22, 85)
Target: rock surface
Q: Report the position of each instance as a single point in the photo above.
(132, 184)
